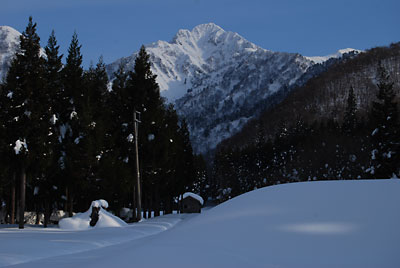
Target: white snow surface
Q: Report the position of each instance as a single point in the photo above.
(193, 195)
(81, 220)
(101, 203)
(338, 54)
(314, 224)
(20, 145)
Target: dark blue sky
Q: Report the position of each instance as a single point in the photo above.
(116, 28)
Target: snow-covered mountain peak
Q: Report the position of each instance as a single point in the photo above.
(9, 34)
(207, 28)
(202, 31)
(9, 44)
(191, 55)
(208, 38)
(218, 80)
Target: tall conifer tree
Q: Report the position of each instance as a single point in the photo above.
(24, 84)
(71, 121)
(53, 91)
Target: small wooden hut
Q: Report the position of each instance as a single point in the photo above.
(191, 203)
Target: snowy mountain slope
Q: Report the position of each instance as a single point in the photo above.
(218, 80)
(338, 54)
(347, 224)
(9, 44)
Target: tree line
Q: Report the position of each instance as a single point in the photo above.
(66, 134)
(356, 147)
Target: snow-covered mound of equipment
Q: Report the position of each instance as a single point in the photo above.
(81, 221)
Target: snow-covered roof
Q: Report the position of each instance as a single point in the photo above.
(193, 195)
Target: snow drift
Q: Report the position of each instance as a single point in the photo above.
(81, 220)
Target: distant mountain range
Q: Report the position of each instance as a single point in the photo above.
(216, 79)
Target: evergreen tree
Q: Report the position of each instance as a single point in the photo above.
(385, 136)
(72, 129)
(24, 117)
(117, 151)
(53, 102)
(350, 119)
(93, 122)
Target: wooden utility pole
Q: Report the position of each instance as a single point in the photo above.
(136, 121)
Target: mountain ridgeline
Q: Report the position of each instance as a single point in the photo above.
(218, 80)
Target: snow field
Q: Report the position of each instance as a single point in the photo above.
(36, 243)
(324, 224)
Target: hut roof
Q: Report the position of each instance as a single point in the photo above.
(195, 196)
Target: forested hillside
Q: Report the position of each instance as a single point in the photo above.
(342, 124)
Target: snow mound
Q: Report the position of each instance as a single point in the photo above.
(81, 220)
(193, 195)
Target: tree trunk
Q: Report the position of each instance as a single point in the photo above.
(13, 199)
(46, 213)
(37, 214)
(168, 203)
(156, 203)
(150, 205)
(22, 198)
(66, 201)
(180, 203)
(70, 205)
(146, 208)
